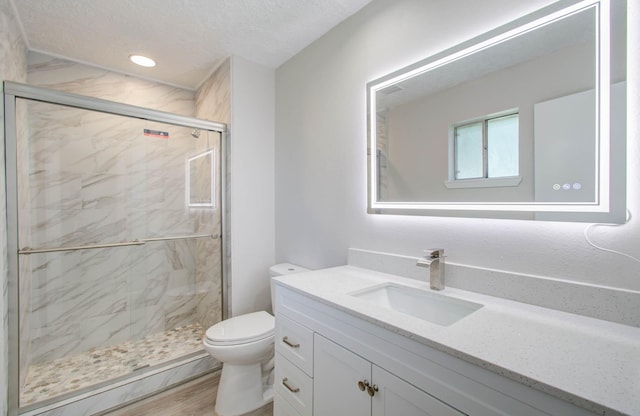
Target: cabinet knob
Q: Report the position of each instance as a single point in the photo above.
(364, 385)
(289, 343)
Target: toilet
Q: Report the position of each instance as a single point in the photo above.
(244, 346)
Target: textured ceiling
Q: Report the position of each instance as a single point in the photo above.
(188, 38)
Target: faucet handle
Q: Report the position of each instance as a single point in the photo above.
(434, 253)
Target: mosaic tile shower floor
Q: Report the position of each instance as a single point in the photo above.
(64, 375)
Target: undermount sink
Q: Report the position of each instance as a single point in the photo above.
(429, 306)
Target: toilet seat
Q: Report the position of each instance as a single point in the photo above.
(242, 329)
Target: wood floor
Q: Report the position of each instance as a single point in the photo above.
(196, 398)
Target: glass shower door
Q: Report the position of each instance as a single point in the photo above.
(120, 250)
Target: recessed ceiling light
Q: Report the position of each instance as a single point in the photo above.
(142, 60)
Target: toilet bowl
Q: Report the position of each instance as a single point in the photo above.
(244, 345)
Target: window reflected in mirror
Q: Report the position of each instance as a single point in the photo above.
(485, 148)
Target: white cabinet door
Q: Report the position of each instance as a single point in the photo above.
(336, 391)
(397, 397)
(337, 372)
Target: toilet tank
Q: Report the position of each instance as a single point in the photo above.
(281, 270)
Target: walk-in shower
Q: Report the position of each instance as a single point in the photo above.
(115, 244)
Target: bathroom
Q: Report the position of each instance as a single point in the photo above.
(301, 129)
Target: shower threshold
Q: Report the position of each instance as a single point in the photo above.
(65, 375)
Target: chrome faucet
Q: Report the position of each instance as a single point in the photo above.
(434, 260)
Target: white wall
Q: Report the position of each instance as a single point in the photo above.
(321, 154)
(252, 185)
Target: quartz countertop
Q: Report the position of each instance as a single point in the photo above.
(592, 363)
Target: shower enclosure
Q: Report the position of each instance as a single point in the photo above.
(115, 243)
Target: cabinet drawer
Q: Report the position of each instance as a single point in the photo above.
(293, 386)
(295, 342)
(281, 407)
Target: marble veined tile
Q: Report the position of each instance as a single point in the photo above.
(51, 228)
(208, 261)
(108, 156)
(209, 308)
(207, 220)
(72, 296)
(45, 270)
(113, 129)
(59, 227)
(53, 120)
(108, 225)
(95, 82)
(45, 70)
(157, 287)
(164, 98)
(168, 222)
(55, 189)
(136, 158)
(182, 256)
(75, 307)
(213, 99)
(156, 156)
(155, 319)
(179, 309)
(100, 190)
(93, 265)
(147, 192)
(150, 268)
(69, 339)
(60, 139)
(175, 194)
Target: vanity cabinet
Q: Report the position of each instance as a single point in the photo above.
(347, 384)
(328, 360)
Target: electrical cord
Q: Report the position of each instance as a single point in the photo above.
(592, 244)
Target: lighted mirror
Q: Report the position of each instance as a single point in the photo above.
(526, 121)
(200, 180)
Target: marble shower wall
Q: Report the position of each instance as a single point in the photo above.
(213, 102)
(62, 75)
(213, 98)
(13, 67)
(96, 178)
(208, 284)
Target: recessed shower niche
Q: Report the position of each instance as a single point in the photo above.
(114, 271)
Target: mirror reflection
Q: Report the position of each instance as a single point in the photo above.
(514, 122)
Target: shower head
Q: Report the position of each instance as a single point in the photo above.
(195, 133)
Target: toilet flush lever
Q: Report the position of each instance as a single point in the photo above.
(289, 343)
